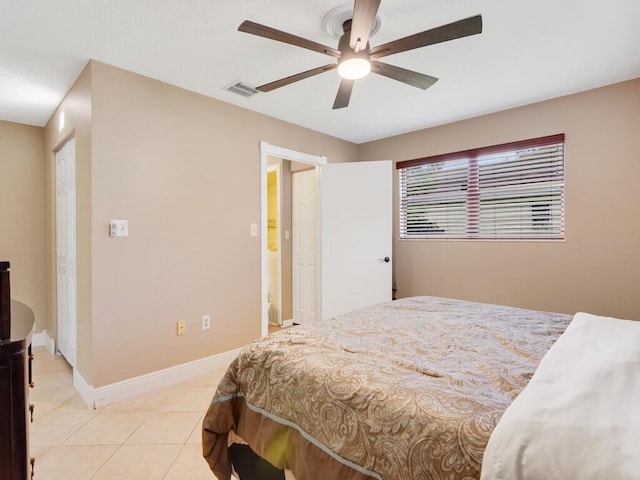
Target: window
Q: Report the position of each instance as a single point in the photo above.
(509, 191)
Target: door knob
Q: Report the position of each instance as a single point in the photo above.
(385, 260)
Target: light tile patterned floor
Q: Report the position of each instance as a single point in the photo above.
(154, 436)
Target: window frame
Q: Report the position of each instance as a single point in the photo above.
(472, 196)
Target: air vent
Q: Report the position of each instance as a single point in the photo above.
(242, 89)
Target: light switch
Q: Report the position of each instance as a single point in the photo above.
(254, 229)
(286, 234)
(119, 228)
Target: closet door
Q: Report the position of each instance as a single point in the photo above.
(66, 250)
(305, 254)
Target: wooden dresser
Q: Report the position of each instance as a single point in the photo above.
(16, 330)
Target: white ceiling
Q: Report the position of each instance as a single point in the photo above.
(528, 51)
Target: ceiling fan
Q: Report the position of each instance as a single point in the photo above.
(356, 58)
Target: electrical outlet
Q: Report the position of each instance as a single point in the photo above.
(206, 322)
(182, 327)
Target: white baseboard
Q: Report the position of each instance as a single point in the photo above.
(102, 396)
(83, 388)
(43, 339)
(287, 323)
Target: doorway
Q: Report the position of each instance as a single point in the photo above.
(351, 221)
(291, 242)
(270, 154)
(65, 174)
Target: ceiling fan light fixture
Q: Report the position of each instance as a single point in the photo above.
(354, 68)
(355, 56)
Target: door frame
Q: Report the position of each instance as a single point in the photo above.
(267, 150)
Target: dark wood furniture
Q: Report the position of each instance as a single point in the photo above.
(5, 306)
(16, 330)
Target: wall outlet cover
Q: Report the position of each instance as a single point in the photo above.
(182, 327)
(118, 228)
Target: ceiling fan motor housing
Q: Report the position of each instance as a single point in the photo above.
(349, 55)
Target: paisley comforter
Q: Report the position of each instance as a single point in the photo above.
(409, 389)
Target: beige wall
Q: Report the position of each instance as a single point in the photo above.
(597, 267)
(22, 214)
(184, 170)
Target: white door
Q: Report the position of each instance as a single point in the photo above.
(66, 249)
(304, 199)
(356, 235)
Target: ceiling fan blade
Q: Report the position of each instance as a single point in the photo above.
(364, 14)
(461, 28)
(344, 94)
(284, 37)
(267, 87)
(403, 75)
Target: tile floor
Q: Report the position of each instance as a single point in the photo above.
(154, 436)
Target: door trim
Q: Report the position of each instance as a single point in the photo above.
(267, 150)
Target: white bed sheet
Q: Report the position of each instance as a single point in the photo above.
(579, 416)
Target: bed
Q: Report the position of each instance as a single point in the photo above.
(579, 415)
(410, 389)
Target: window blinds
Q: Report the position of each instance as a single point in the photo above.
(509, 191)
